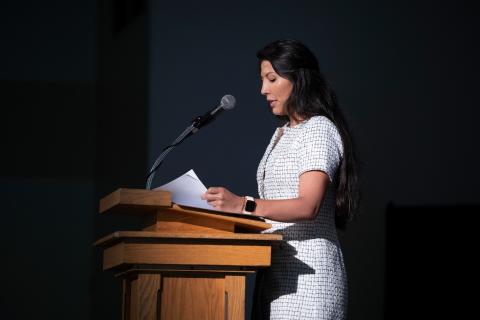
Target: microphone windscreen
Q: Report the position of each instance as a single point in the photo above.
(228, 102)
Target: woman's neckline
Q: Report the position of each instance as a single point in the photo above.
(299, 124)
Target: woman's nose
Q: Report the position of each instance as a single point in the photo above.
(264, 89)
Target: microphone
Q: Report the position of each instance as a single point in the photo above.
(227, 103)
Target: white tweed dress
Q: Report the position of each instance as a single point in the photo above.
(307, 279)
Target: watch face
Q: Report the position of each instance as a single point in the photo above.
(250, 206)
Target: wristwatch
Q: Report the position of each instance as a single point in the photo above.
(250, 205)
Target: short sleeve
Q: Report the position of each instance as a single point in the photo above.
(320, 147)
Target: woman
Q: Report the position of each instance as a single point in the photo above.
(307, 182)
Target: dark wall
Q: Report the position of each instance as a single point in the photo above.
(428, 266)
(404, 72)
(91, 92)
(47, 96)
(122, 126)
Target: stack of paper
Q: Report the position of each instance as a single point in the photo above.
(187, 190)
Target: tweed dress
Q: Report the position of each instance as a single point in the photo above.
(307, 279)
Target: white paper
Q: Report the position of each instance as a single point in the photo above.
(187, 190)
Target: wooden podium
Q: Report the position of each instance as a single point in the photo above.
(186, 263)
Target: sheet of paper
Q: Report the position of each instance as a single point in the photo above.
(187, 190)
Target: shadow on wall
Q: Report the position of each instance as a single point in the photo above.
(430, 261)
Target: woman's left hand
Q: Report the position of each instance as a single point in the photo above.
(224, 200)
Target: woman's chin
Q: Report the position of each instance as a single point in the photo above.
(278, 112)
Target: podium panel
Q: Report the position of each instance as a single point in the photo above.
(200, 297)
(182, 296)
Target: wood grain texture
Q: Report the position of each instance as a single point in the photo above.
(244, 222)
(141, 297)
(135, 201)
(175, 221)
(113, 256)
(151, 235)
(162, 215)
(160, 267)
(192, 298)
(134, 303)
(186, 254)
(148, 289)
(235, 291)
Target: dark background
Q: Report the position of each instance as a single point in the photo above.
(91, 91)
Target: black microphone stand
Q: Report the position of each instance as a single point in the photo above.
(227, 102)
(191, 129)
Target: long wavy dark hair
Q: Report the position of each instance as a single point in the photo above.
(311, 95)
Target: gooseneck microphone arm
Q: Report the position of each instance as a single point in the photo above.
(227, 103)
(188, 131)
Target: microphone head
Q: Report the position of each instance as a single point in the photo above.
(227, 102)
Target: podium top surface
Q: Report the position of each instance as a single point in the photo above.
(158, 204)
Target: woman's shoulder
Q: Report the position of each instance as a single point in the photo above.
(321, 123)
(320, 129)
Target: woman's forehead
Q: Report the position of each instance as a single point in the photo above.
(266, 68)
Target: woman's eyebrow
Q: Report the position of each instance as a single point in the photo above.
(266, 74)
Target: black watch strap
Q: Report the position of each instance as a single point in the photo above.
(250, 205)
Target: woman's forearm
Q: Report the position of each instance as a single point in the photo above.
(288, 210)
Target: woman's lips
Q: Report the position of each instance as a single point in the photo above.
(272, 103)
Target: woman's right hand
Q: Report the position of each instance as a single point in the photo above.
(222, 199)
